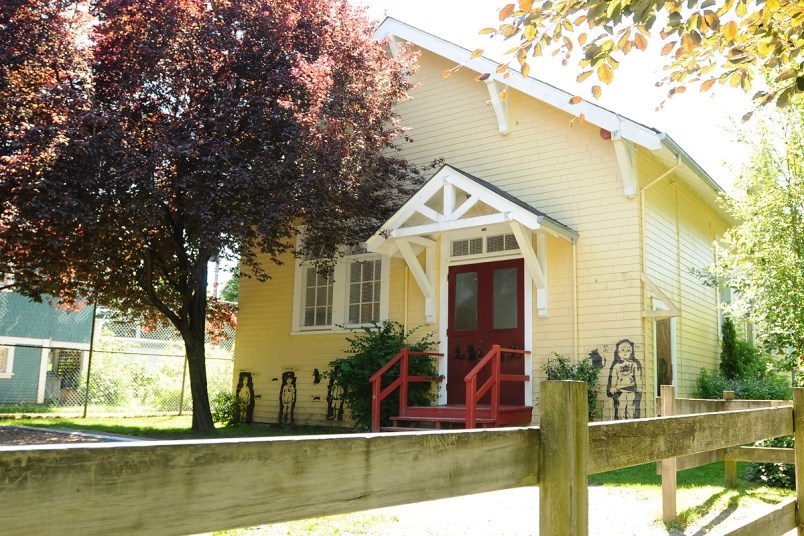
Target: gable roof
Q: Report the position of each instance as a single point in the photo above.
(621, 127)
(453, 200)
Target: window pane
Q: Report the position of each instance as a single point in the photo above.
(317, 299)
(466, 301)
(364, 295)
(354, 293)
(505, 303)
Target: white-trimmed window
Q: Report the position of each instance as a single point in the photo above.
(6, 361)
(354, 294)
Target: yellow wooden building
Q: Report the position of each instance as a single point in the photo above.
(539, 233)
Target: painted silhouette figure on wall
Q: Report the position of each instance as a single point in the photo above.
(625, 383)
(334, 400)
(287, 398)
(245, 393)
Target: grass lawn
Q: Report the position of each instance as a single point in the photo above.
(700, 491)
(164, 427)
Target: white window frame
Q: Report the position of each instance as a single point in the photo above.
(340, 293)
(8, 372)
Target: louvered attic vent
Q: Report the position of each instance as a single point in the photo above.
(475, 246)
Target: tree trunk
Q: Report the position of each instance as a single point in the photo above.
(196, 364)
(194, 336)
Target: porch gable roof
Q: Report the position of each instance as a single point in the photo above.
(453, 200)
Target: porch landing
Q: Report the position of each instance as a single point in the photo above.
(451, 416)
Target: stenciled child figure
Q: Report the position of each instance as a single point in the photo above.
(625, 381)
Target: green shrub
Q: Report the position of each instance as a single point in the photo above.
(368, 351)
(770, 387)
(560, 368)
(228, 409)
(778, 475)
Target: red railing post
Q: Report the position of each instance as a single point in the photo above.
(495, 373)
(403, 388)
(375, 404)
(471, 388)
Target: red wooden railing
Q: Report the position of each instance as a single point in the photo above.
(473, 394)
(378, 394)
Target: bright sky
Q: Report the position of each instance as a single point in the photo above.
(703, 124)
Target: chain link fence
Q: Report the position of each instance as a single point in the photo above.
(132, 370)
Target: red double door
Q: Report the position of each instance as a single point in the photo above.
(486, 307)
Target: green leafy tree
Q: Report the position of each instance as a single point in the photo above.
(137, 147)
(231, 289)
(763, 256)
(704, 42)
(729, 364)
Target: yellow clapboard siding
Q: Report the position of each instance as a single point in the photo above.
(562, 168)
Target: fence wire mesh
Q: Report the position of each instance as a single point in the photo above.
(131, 371)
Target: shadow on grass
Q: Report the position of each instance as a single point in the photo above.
(687, 516)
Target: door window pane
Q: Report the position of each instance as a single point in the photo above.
(505, 302)
(466, 301)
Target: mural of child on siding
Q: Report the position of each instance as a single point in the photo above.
(334, 400)
(287, 398)
(626, 381)
(245, 393)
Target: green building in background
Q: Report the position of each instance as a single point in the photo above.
(43, 350)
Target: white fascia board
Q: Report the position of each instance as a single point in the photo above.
(558, 98)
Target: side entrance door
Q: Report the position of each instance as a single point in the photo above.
(486, 307)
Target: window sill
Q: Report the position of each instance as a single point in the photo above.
(325, 330)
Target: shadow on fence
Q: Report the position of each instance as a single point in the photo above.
(185, 487)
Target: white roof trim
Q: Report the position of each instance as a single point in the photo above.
(618, 125)
(594, 114)
(450, 217)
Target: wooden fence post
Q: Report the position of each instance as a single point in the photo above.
(669, 510)
(563, 493)
(798, 444)
(730, 465)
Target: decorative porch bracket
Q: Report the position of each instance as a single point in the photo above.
(626, 159)
(500, 106)
(424, 276)
(671, 311)
(535, 262)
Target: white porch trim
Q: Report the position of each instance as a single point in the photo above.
(441, 208)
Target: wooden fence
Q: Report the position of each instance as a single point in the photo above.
(669, 405)
(185, 487)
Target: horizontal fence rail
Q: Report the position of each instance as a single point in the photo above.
(186, 487)
(623, 444)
